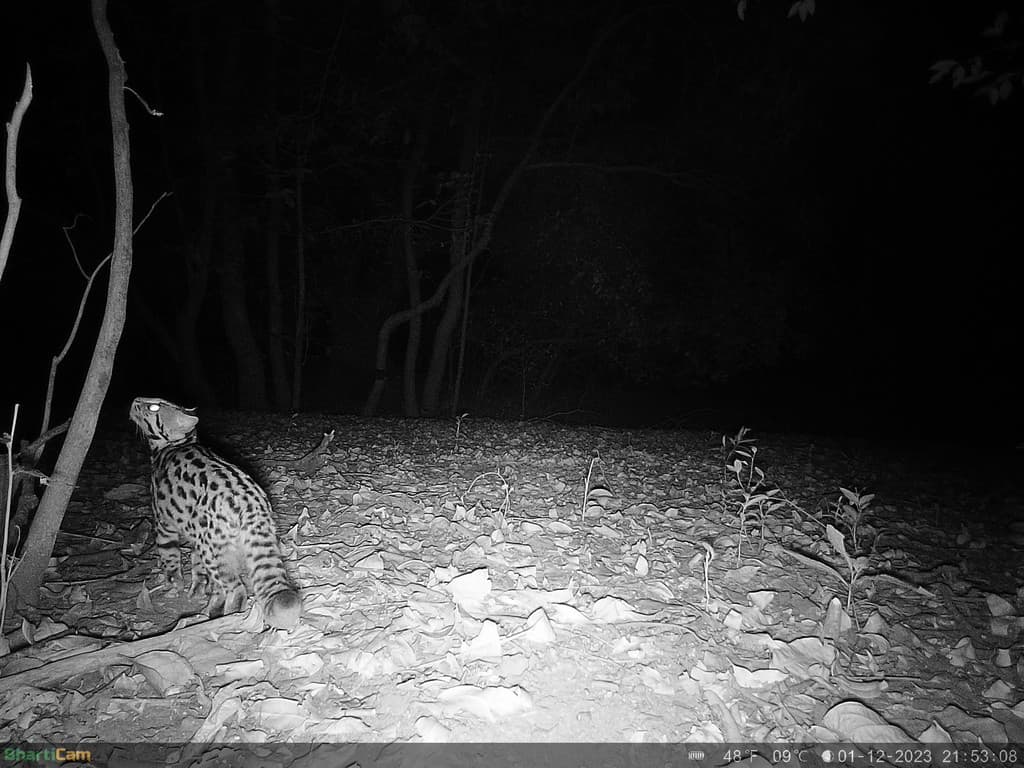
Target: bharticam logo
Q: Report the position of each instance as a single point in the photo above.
(48, 755)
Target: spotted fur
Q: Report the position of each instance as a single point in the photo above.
(213, 505)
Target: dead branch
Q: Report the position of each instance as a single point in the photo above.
(313, 460)
(56, 672)
(13, 201)
(23, 480)
(30, 452)
(59, 357)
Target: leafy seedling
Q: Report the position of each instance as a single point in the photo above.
(855, 565)
(853, 510)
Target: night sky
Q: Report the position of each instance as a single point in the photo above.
(767, 222)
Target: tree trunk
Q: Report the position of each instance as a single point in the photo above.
(299, 353)
(487, 230)
(343, 313)
(196, 263)
(275, 313)
(249, 371)
(197, 248)
(392, 322)
(462, 217)
(252, 390)
(460, 365)
(50, 514)
(412, 267)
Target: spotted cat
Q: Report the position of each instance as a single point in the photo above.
(210, 503)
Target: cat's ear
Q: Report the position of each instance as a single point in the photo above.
(186, 421)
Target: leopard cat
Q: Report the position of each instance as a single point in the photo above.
(213, 505)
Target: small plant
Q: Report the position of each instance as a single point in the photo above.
(755, 502)
(594, 492)
(855, 565)
(853, 510)
(709, 555)
(742, 445)
(501, 516)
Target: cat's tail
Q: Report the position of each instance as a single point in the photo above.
(282, 608)
(279, 600)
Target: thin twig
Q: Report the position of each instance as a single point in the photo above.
(71, 244)
(4, 575)
(59, 357)
(152, 112)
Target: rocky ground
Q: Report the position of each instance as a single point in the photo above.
(526, 582)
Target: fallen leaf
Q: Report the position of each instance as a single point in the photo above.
(490, 703)
(852, 721)
(166, 672)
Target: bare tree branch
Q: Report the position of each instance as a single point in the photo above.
(59, 357)
(13, 201)
(483, 241)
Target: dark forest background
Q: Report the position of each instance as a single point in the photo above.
(722, 221)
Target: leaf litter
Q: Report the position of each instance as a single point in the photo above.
(536, 582)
